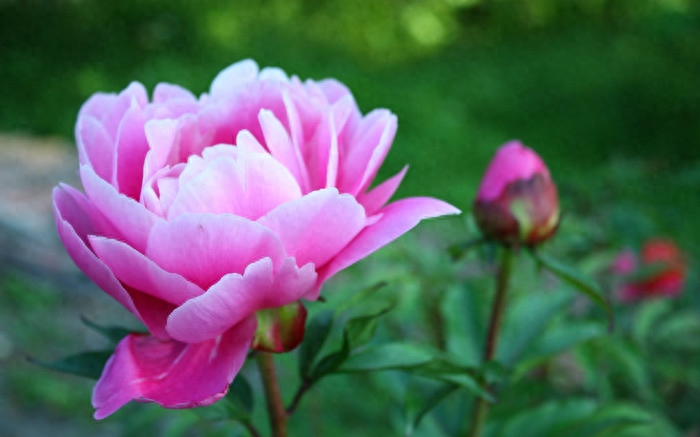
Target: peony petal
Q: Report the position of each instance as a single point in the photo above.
(170, 373)
(205, 247)
(154, 312)
(137, 271)
(75, 220)
(95, 146)
(248, 186)
(165, 92)
(378, 154)
(317, 226)
(131, 219)
(236, 297)
(397, 218)
(234, 78)
(130, 153)
(375, 199)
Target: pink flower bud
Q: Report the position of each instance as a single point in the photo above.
(280, 329)
(517, 202)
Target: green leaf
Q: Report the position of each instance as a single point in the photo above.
(87, 364)
(581, 283)
(329, 364)
(114, 334)
(360, 330)
(241, 394)
(458, 250)
(413, 418)
(316, 334)
(647, 320)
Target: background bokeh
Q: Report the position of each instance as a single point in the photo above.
(606, 91)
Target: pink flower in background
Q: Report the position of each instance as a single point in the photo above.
(517, 201)
(659, 273)
(201, 214)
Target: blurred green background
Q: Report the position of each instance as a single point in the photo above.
(606, 91)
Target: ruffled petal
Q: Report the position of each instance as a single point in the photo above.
(248, 186)
(397, 218)
(170, 373)
(236, 297)
(317, 226)
(205, 247)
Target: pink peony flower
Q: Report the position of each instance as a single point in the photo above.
(517, 201)
(201, 214)
(659, 273)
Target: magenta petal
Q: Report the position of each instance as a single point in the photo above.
(130, 218)
(205, 247)
(380, 195)
(397, 218)
(236, 297)
(317, 226)
(170, 373)
(73, 213)
(137, 271)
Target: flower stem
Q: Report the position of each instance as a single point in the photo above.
(273, 397)
(481, 409)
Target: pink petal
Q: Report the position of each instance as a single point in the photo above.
(165, 92)
(131, 152)
(76, 218)
(279, 143)
(137, 271)
(380, 195)
(170, 373)
(363, 149)
(95, 146)
(317, 226)
(397, 219)
(131, 219)
(236, 297)
(205, 247)
(248, 186)
(154, 312)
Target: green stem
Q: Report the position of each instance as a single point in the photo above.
(273, 397)
(481, 409)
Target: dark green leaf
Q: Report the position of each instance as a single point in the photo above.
(458, 250)
(578, 281)
(241, 394)
(112, 333)
(360, 330)
(329, 364)
(391, 356)
(87, 364)
(433, 399)
(315, 337)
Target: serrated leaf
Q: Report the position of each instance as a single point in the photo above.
(87, 364)
(114, 334)
(578, 281)
(316, 335)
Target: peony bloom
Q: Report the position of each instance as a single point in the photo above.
(517, 201)
(210, 217)
(659, 273)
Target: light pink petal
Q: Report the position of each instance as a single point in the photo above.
(165, 92)
(75, 220)
(131, 219)
(246, 141)
(317, 226)
(296, 133)
(131, 152)
(375, 199)
(236, 297)
(273, 74)
(95, 146)
(248, 186)
(234, 78)
(333, 90)
(205, 247)
(135, 270)
(161, 135)
(397, 219)
(363, 149)
(279, 143)
(170, 373)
